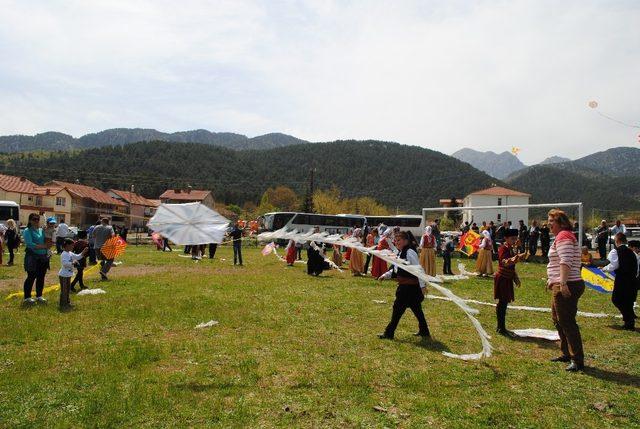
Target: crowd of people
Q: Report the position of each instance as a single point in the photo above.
(513, 245)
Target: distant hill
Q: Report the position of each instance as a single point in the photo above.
(496, 165)
(355, 167)
(52, 141)
(554, 160)
(619, 161)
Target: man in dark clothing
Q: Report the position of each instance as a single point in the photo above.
(523, 236)
(449, 247)
(212, 250)
(435, 230)
(545, 239)
(602, 236)
(236, 236)
(624, 263)
(534, 235)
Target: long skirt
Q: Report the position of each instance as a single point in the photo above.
(378, 267)
(291, 255)
(428, 260)
(356, 263)
(347, 254)
(337, 257)
(484, 264)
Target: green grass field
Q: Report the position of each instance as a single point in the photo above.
(294, 351)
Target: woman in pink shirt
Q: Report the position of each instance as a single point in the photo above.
(565, 281)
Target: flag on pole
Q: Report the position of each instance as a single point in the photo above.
(469, 242)
(597, 279)
(113, 247)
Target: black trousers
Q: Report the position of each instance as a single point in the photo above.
(59, 243)
(501, 314)
(36, 276)
(624, 303)
(187, 250)
(366, 264)
(93, 259)
(407, 296)
(237, 252)
(212, 250)
(79, 278)
(299, 253)
(545, 248)
(533, 247)
(65, 286)
(602, 250)
(11, 250)
(446, 265)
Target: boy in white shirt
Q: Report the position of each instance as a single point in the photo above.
(67, 258)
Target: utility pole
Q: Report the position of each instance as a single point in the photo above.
(308, 203)
(130, 214)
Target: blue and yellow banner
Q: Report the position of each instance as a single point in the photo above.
(597, 279)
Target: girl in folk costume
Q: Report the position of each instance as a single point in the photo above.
(428, 252)
(379, 267)
(337, 255)
(505, 278)
(356, 262)
(291, 253)
(484, 265)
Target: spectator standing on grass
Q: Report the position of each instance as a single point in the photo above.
(534, 236)
(545, 239)
(3, 230)
(602, 236)
(79, 247)
(62, 232)
(101, 234)
(12, 238)
(624, 263)
(92, 252)
(523, 235)
(619, 227)
(236, 236)
(505, 279)
(36, 259)
(447, 250)
(565, 281)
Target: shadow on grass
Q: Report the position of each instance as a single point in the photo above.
(614, 376)
(540, 342)
(426, 343)
(204, 387)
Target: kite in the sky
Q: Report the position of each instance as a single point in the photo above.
(389, 256)
(515, 150)
(594, 105)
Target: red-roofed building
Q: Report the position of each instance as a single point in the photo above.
(496, 196)
(179, 196)
(44, 200)
(89, 204)
(140, 208)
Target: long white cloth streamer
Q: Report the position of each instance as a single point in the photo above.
(389, 256)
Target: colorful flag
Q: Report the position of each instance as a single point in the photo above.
(113, 247)
(597, 279)
(469, 242)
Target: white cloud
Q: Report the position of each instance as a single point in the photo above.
(443, 75)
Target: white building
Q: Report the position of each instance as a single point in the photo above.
(496, 196)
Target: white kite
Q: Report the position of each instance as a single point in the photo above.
(390, 257)
(189, 224)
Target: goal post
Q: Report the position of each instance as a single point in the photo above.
(579, 206)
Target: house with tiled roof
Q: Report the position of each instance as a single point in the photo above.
(89, 204)
(139, 208)
(179, 196)
(496, 196)
(46, 201)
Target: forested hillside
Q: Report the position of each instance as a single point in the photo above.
(406, 177)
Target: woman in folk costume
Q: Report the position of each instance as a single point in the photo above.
(484, 265)
(428, 252)
(337, 255)
(379, 267)
(505, 278)
(347, 253)
(356, 263)
(291, 253)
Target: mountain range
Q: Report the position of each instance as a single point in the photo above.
(50, 141)
(498, 165)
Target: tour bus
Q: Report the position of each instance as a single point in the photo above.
(304, 222)
(413, 223)
(9, 210)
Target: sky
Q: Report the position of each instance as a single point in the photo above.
(488, 75)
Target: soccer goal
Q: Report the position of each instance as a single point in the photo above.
(579, 206)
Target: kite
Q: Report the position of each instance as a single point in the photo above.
(189, 224)
(515, 150)
(113, 247)
(470, 242)
(389, 256)
(597, 279)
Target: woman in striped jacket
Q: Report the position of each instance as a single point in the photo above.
(565, 281)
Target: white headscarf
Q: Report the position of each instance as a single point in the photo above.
(487, 234)
(387, 232)
(427, 230)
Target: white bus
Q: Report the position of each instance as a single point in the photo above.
(413, 223)
(9, 210)
(304, 222)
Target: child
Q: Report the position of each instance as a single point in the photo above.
(586, 259)
(81, 264)
(505, 278)
(67, 257)
(448, 248)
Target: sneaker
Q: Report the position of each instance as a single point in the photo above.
(103, 276)
(41, 300)
(29, 301)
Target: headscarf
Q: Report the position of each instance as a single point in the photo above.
(487, 234)
(427, 230)
(387, 232)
